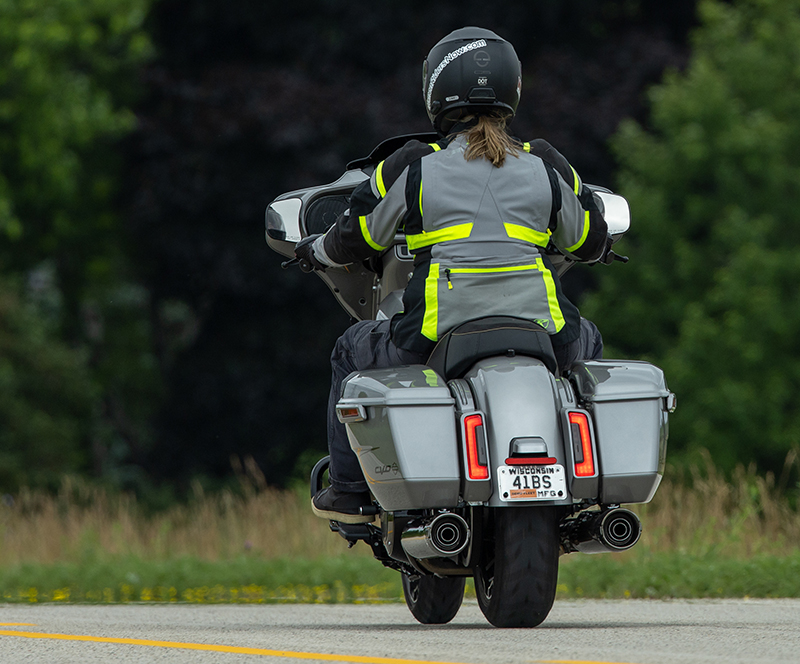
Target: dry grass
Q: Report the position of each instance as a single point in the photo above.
(84, 521)
(746, 516)
(742, 518)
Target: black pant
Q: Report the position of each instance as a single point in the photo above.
(368, 345)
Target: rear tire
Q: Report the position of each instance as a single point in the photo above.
(516, 579)
(433, 600)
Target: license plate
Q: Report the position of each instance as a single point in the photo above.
(531, 482)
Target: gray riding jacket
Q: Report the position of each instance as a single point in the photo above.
(477, 233)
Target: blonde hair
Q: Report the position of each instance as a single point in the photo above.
(488, 139)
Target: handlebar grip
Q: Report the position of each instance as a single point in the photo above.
(302, 263)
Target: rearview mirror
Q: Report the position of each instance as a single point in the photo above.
(617, 213)
(283, 220)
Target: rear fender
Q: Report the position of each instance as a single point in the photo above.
(520, 400)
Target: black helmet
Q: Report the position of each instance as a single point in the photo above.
(471, 71)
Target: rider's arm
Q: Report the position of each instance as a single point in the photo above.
(581, 230)
(377, 207)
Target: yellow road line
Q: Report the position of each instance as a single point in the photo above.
(215, 648)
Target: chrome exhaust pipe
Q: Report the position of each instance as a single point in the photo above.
(600, 532)
(446, 535)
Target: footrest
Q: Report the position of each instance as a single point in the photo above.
(352, 532)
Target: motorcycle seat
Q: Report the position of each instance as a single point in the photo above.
(490, 336)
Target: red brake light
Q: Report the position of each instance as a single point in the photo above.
(477, 468)
(582, 444)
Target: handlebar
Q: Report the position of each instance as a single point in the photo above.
(302, 263)
(610, 257)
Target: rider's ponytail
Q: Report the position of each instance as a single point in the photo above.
(488, 138)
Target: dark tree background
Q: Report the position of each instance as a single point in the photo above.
(247, 99)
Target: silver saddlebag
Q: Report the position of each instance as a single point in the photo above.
(629, 402)
(401, 425)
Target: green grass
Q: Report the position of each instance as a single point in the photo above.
(678, 575)
(355, 578)
(245, 579)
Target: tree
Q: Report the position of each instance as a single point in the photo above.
(68, 76)
(46, 396)
(711, 291)
(67, 67)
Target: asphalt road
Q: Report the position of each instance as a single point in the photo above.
(576, 632)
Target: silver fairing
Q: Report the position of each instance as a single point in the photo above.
(287, 222)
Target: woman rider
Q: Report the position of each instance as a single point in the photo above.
(478, 208)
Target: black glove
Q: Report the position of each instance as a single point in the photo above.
(304, 250)
(607, 257)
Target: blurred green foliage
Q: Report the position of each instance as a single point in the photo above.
(73, 327)
(46, 396)
(66, 71)
(713, 183)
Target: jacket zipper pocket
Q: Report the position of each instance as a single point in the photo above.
(538, 266)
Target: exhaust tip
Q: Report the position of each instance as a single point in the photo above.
(620, 529)
(598, 532)
(446, 535)
(449, 534)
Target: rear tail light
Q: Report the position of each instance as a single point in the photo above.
(475, 439)
(582, 448)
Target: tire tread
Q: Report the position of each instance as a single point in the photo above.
(525, 552)
(438, 600)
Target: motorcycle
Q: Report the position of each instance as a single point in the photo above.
(486, 462)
